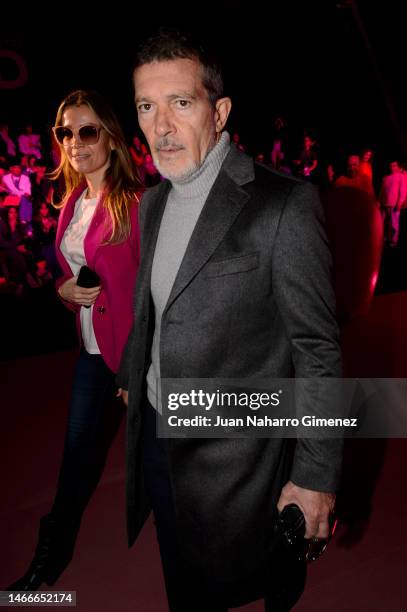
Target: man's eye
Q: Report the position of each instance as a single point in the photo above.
(144, 108)
(183, 103)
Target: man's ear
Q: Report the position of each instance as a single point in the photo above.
(222, 110)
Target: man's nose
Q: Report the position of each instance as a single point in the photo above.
(163, 123)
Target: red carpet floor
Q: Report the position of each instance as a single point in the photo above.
(365, 568)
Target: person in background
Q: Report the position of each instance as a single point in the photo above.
(29, 143)
(307, 162)
(236, 141)
(13, 238)
(151, 175)
(279, 145)
(392, 196)
(365, 165)
(8, 147)
(44, 232)
(353, 177)
(18, 184)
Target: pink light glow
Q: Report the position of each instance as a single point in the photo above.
(373, 281)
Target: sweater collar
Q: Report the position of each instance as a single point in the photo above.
(198, 184)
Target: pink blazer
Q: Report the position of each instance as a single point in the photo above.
(116, 266)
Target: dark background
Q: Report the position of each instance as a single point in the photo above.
(312, 61)
(315, 62)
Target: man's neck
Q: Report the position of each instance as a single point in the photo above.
(200, 181)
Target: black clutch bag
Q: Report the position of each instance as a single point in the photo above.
(87, 278)
(289, 532)
(288, 561)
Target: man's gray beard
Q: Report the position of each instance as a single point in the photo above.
(184, 175)
(178, 177)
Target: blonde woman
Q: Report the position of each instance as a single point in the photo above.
(98, 229)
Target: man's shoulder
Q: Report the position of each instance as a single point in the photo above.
(244, 171)
(271, 184)
(274, 177)
(268, 187)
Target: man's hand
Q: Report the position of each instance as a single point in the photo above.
(124, 395)
(70, 292)
(316, 507)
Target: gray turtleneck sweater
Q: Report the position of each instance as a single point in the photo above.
(184, 205)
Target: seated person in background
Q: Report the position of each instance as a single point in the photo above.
(12, 244)
(30, 143)
(44, 230)
(353, 177)
(18, 184)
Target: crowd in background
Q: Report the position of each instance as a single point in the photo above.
(28, 218)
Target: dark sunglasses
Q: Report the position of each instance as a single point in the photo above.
(88, 134)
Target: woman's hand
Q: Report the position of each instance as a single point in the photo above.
(70, 292)
(124, 394)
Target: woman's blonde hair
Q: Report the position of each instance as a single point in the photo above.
(121, 182)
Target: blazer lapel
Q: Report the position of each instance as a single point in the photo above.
(224, 203)
(65, 217)
(150, 220)
(99, 230)
(66, 213)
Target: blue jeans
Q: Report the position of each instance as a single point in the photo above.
(92, 425)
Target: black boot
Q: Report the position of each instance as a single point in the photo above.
(52, 555)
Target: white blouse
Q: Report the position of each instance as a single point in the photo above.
(72, 247)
